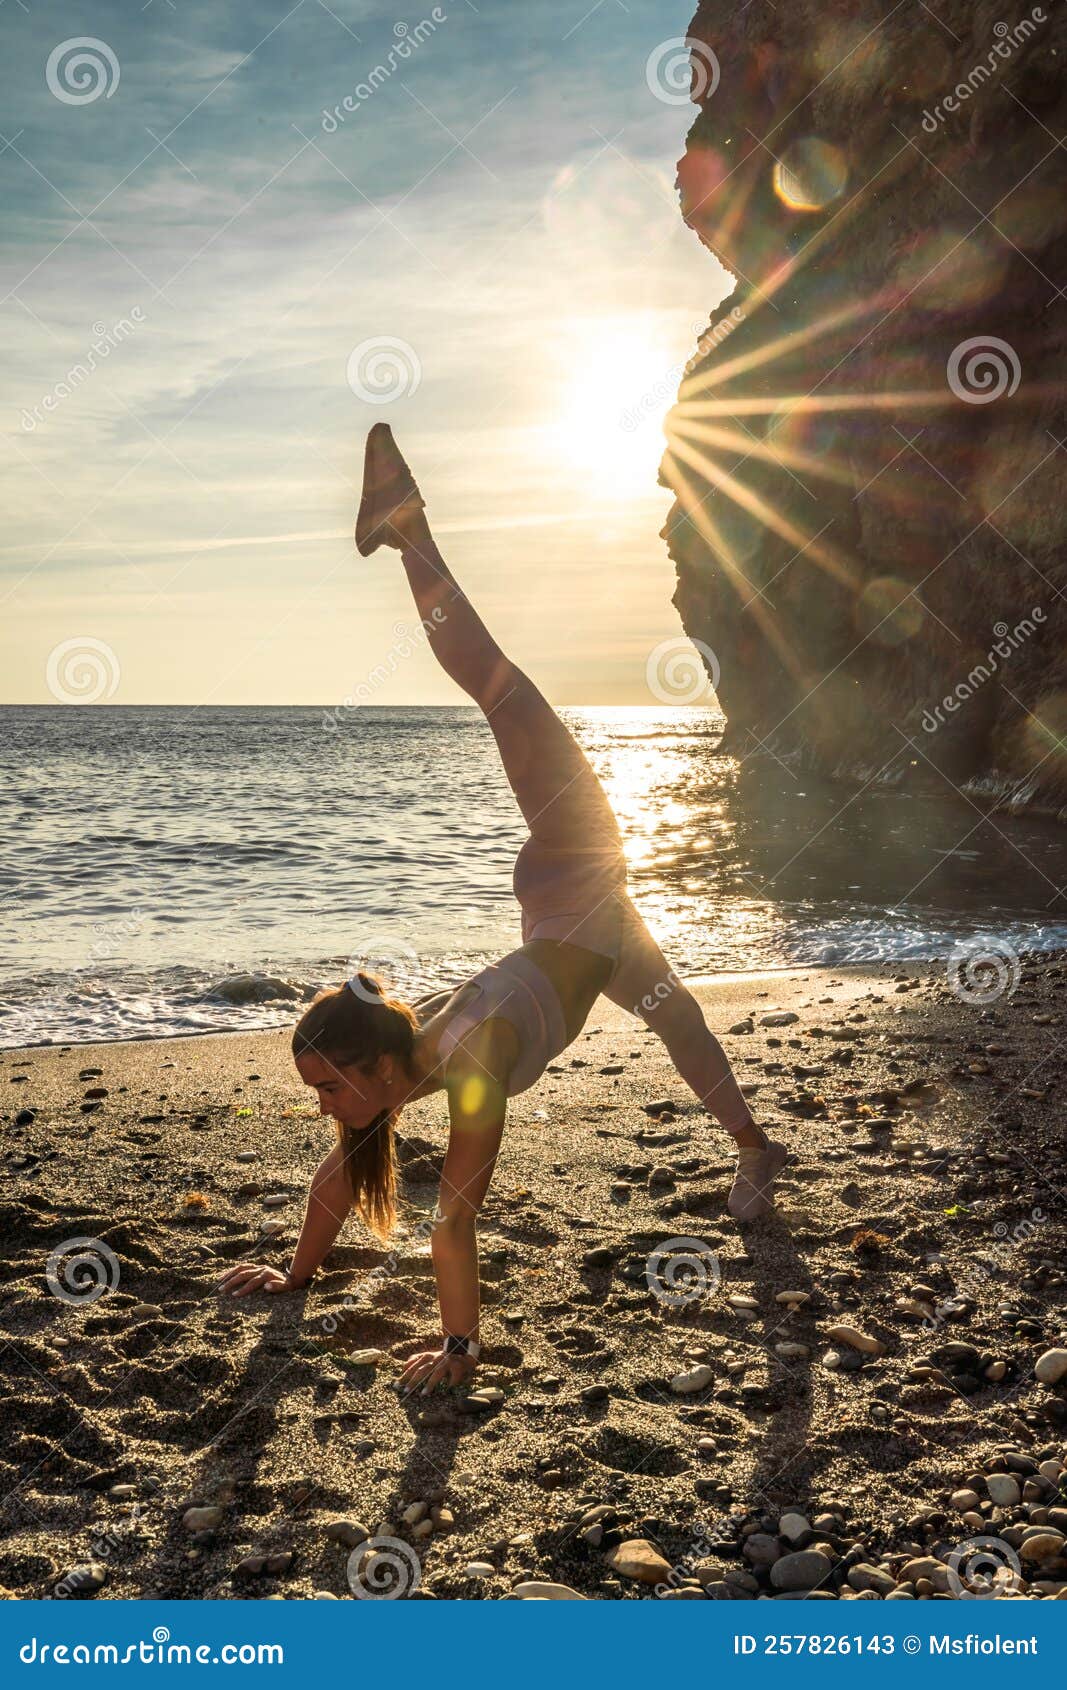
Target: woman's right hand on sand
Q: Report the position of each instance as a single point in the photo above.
(254, 1276)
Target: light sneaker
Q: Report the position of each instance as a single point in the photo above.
(390, 492)
(752, 1193)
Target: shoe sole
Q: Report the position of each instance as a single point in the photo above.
(370, 522)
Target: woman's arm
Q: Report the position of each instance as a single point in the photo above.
(328, 1204)
(475, 1082)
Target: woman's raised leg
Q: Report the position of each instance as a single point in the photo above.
(555, 786)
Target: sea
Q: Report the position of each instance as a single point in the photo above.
(177, 870)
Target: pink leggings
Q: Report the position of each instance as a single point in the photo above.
(570, 877)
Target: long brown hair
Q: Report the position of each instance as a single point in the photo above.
(353, 1026)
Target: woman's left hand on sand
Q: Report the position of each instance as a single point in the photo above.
(254, 1276)
(431, 1368)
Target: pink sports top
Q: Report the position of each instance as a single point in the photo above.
(516, 990)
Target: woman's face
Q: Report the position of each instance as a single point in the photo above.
(351, 1095)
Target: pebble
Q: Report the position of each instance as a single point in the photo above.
(366, 1358)
(637, 1559)
(203, 1519)
(347, 1532)
(1051, 1367)
(489, 1397)
(780, 1018)
(864, 1576)
(88, 1576)
(793, 1526)
(479, 1570)
(762, 1549)
(802, 1570)
(696, 1379)
(855, 1339)
(535, 1590)
(1003, 1490)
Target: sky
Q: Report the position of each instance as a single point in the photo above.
(238, 234)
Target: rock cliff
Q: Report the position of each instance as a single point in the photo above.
(867, 452)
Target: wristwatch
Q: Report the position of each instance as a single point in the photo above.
(462, 1346)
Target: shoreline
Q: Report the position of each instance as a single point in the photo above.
(706, 986)
(918, 1160)
(695, 982)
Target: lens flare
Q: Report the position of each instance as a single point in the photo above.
(810, 175)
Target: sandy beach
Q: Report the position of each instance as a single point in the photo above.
(162, 1442)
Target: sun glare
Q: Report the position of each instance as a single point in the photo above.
(619, 383)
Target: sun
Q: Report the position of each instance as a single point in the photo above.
(619, 379)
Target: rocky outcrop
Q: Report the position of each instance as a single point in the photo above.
(867, 450)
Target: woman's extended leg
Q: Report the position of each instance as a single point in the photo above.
(561, 799)
(645, 984)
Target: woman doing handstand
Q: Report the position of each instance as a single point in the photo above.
(366, 1054)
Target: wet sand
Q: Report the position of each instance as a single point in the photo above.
(922, 1205)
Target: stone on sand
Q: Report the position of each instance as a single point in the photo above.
(802, 1570)
(696, 1379)
(637, 1559)
(350, 1533)
(85, 1578)
(855, 1339)
(1051, 1367)
(203, 1519)
(537, 1590)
